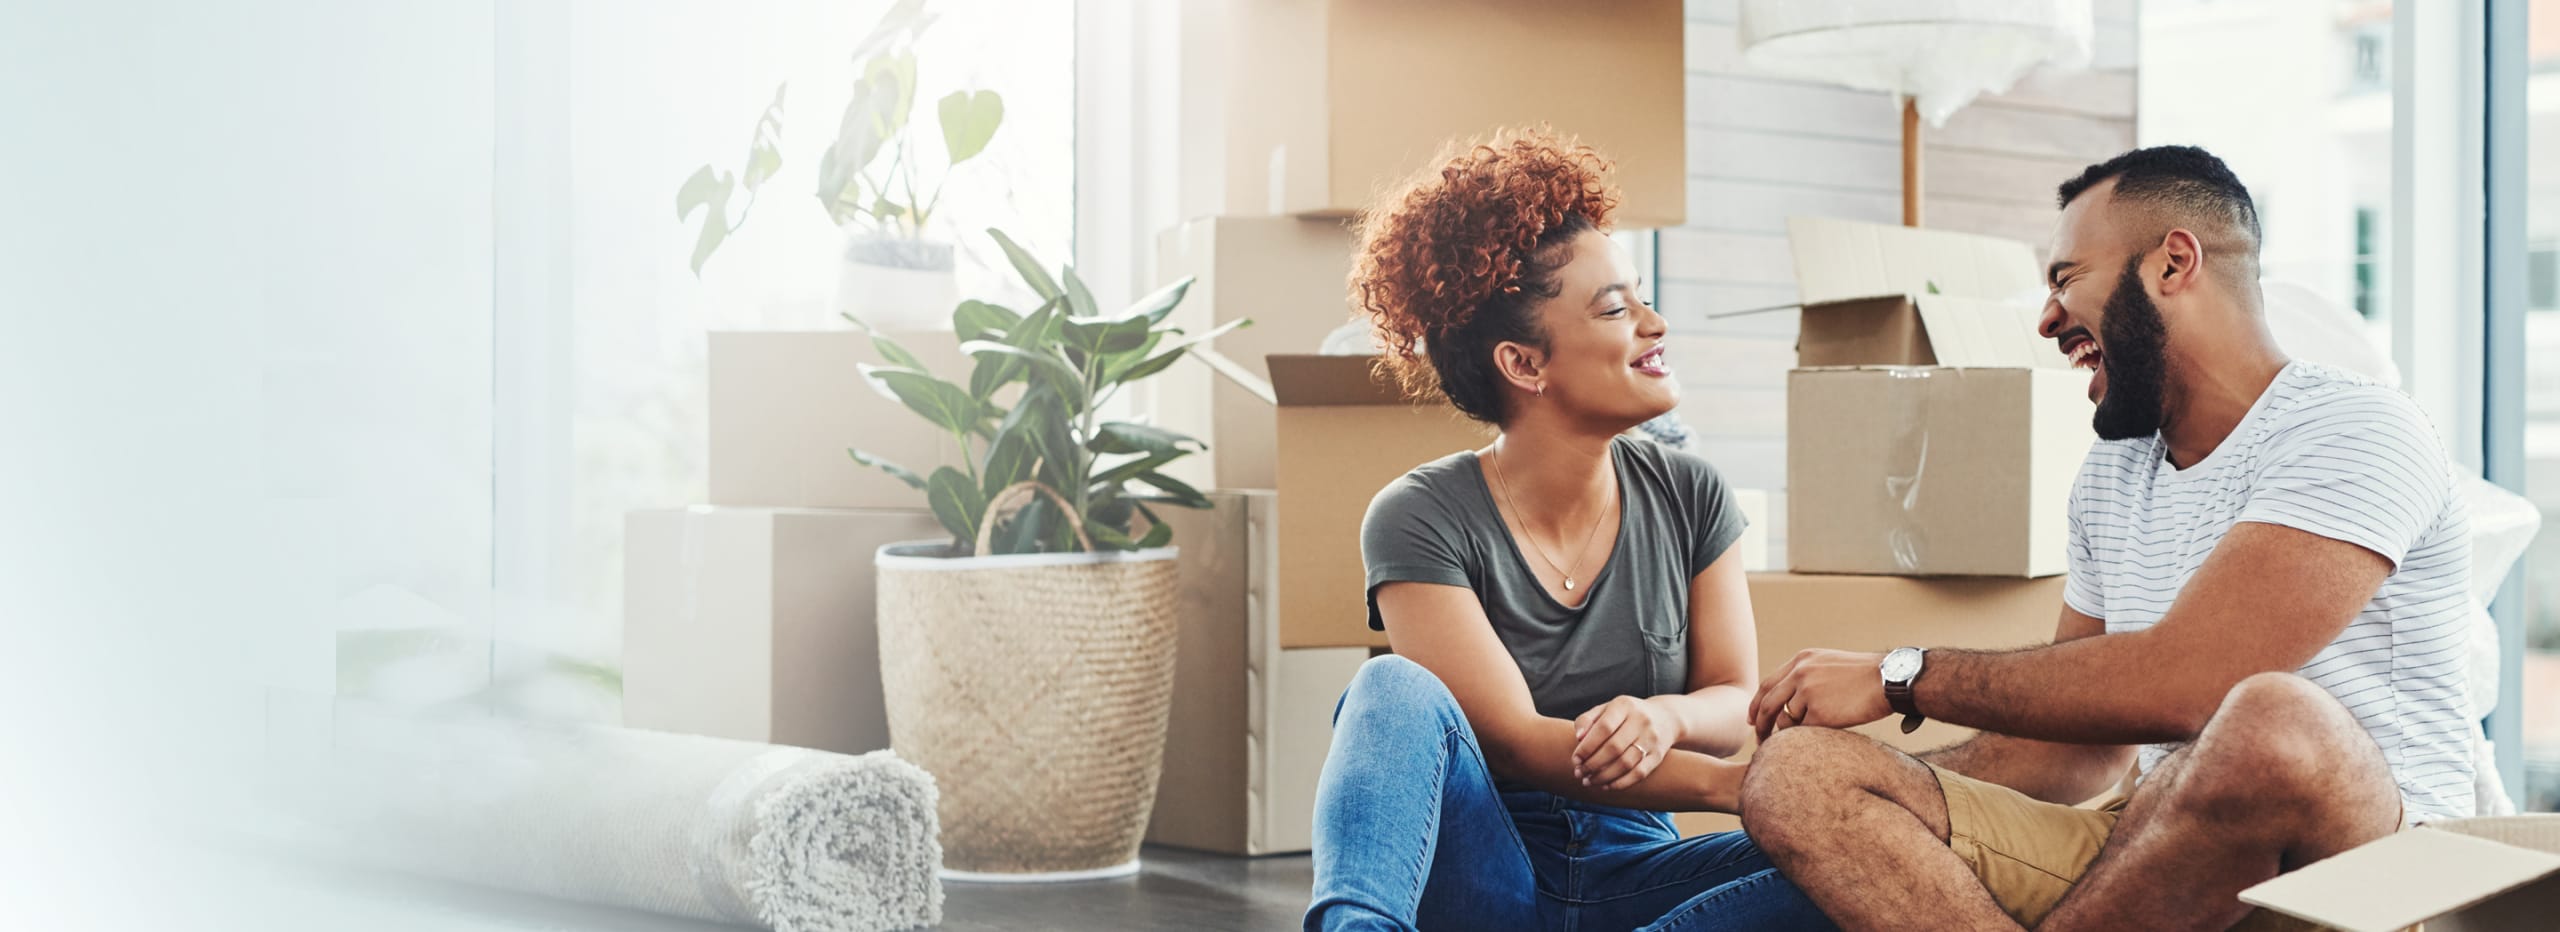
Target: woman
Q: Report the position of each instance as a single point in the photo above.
(1573, 645)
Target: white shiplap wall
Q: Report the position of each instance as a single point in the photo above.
(1764, 149)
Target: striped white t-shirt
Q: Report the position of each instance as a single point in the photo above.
(2332, 454)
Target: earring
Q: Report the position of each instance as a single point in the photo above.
(1542, 389)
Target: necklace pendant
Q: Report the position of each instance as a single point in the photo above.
(1568, 584)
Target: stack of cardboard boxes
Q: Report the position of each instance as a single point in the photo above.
(1324, 104)
(750, 617)
(1932, 438)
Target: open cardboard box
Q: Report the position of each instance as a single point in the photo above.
(2499, 874)
(1930, 431)
(1286, 275)
(1343, 433)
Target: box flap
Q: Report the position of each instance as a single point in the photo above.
(2402, 880)
(1307, 380)
(2538, 831)
(1977, 297)
(1837, 260)
(1978, 332)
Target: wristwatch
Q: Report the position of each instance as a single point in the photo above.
(1900, 668)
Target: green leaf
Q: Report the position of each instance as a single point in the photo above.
(946, 405)
(1104, 337)
(1027, 267)
(764, 155)
(1176, 491)
(956, 502)
(1116, 367)
(904, 20)
(1112, 477)
(1160, 302)
(889, 349)
(1068, 382)
(1151, 366)
(1125, 437)
(1158, 535)
(896, 73)
(904, 474)
(992, 373)
(873, 116)
(1030, 528)
(1110, 510)
(1173, 353)
(969, 120)
(1138, 364)
(1063, 464)
(978, 320)
(706, 189)
(1009, 460)
(1107, 537)
(1079, 300)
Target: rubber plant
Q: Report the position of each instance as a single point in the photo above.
(1070, 360)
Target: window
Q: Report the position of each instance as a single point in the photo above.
(614, 402)
(2542, 278)
(2541, 563)
(2314, 148)
(2366, 260)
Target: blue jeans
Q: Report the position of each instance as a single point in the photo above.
(1411, 832)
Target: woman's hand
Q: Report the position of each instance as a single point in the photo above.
(1621, 741)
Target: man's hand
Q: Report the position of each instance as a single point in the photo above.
(1621, 741)
(1829, 688)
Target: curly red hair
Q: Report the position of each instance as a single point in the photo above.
(1449, 261)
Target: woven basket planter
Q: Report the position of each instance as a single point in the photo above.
(1035, 689)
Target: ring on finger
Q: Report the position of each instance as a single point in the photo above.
(1791, 712)
(1641, 753)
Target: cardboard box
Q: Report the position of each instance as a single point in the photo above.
(1755, 536)
(1327, 101)
(1930, 431)
(756, 623)
(2499, 874)
(1251, 721)
(785, 406)
(1343, 435)
(1794, 612)
(1290, 277)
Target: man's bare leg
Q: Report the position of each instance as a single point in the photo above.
(1862, 829)
(2280, 777)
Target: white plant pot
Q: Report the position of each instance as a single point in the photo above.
(897, 285)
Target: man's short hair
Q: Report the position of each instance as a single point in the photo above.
(2183, 185)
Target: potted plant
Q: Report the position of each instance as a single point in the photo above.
(892, 272)
(1027, 659)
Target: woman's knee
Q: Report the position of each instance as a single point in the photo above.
(1392, 685)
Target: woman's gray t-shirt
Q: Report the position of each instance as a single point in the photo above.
(1438, 524)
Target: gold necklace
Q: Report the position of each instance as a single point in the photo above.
(1500, 483)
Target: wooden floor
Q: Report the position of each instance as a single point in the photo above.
(1175, 889)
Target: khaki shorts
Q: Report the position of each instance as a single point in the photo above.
(2029, 852)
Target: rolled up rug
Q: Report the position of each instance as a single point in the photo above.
(792, 839)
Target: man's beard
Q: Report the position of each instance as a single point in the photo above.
(2133, 341)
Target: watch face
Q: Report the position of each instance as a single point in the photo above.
(1902, 665)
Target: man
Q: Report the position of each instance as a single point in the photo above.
(2268, 566)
